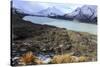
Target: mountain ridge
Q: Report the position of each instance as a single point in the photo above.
(85, 14)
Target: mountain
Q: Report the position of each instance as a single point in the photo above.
(50, 11)
(20, 12)
(86, 13)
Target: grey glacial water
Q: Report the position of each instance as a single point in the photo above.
(70, 25)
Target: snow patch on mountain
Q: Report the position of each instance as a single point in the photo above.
(51, 11)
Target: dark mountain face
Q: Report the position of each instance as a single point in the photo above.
(19, 12)
(86, 13)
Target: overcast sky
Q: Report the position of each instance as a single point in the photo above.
(31, 6)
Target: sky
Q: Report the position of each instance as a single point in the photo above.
(32, 7)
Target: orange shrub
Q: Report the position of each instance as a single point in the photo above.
(27, 58)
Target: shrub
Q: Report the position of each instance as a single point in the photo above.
(27, 58)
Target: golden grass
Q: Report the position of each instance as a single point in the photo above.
(83, 59)
(30, 58)
(37, 61)
(66, 58)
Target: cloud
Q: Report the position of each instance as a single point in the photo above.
(32, 7)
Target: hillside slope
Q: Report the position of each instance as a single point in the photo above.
(27, 36)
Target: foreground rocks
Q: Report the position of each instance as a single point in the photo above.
(49, 41)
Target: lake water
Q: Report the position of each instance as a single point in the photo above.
(70, 25)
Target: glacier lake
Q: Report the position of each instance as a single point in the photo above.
(70, 25)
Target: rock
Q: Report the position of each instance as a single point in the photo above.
(47, 60)
(44, 58)
(15, 61)
(23, 49)
(15, 58)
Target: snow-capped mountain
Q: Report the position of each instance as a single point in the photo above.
(87, 13)
(50, 11)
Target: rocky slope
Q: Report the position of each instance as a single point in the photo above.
(49, 40)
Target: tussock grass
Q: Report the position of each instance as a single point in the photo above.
(29, 58)
(67, 58)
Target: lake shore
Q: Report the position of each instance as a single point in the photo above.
(70, 25)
